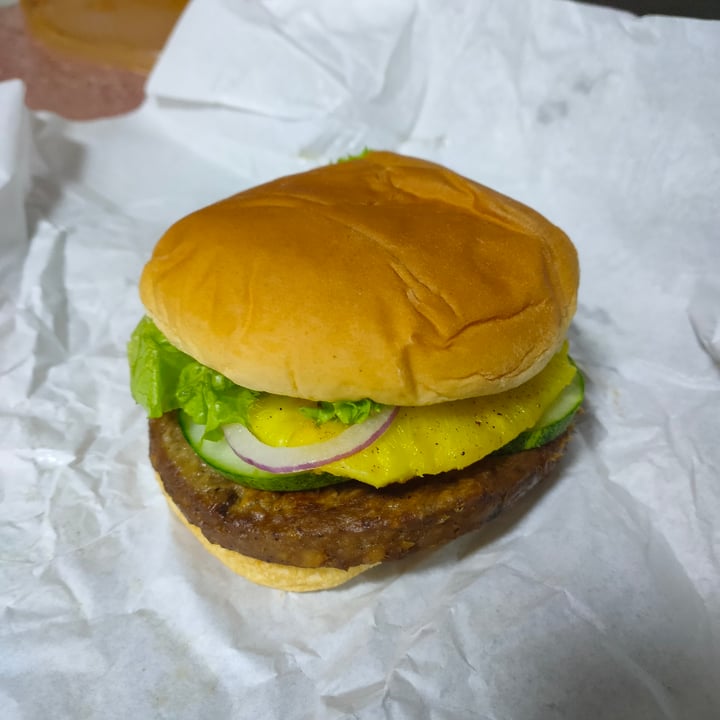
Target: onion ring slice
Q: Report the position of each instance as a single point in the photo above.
(307, 457)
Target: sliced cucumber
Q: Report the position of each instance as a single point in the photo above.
(219, 454)
(554, 421)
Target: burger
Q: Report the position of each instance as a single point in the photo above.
(351, 364)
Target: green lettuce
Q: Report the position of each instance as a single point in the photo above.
(163, 378)
(348, 412)
(348, 158)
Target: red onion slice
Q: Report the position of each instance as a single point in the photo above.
(306, 457)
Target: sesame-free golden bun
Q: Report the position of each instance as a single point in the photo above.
(386, 277)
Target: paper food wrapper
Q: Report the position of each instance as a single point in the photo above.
(596, 597)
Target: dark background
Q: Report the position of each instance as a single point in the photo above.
(703, 9)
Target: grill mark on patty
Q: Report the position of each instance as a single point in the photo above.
(222, 508)
(341, 525)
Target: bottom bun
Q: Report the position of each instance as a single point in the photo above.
(274, 575)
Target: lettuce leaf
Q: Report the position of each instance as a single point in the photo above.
(347, 158)
(348, 412)
(163, 378)
(212, 400)
(155, 367)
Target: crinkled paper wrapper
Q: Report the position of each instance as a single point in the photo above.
(596, 597)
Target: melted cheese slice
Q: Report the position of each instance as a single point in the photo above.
(422, 440)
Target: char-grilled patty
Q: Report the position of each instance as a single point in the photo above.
(347, 524)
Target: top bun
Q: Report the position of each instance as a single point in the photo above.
(386, 277)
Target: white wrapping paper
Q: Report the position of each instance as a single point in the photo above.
(597, 597)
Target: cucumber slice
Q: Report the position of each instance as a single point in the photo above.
(219, 454)
(554, 421)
